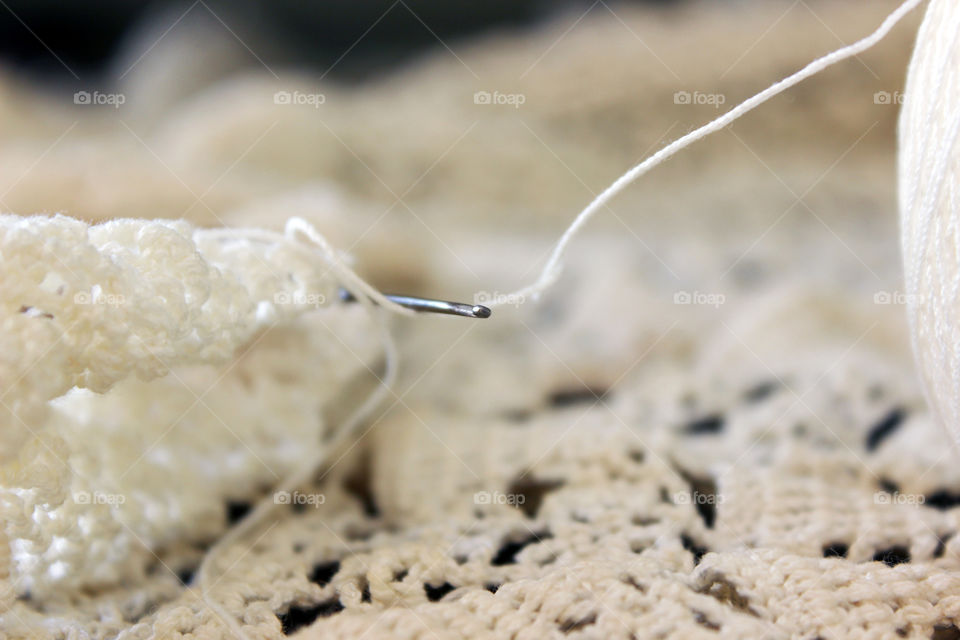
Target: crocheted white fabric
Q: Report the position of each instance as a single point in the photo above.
(711, 426)
(111, 469)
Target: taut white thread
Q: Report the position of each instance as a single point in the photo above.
(553, 267)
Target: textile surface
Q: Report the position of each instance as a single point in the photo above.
(711, 426)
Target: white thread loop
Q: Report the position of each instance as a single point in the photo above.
(345, 275)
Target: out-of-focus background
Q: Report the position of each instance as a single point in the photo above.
(85, 36)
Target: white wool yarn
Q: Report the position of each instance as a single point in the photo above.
(929, 177)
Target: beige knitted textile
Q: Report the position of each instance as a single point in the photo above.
(711, 427)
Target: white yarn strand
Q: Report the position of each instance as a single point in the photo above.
(553, 267)
(301, 476)
(346, 275)
(367, 295)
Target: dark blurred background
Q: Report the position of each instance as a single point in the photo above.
(314, 35)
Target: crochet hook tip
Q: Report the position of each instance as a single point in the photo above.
(428, 305)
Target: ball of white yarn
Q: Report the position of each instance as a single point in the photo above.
(929, 177)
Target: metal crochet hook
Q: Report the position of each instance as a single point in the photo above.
(428, 305)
